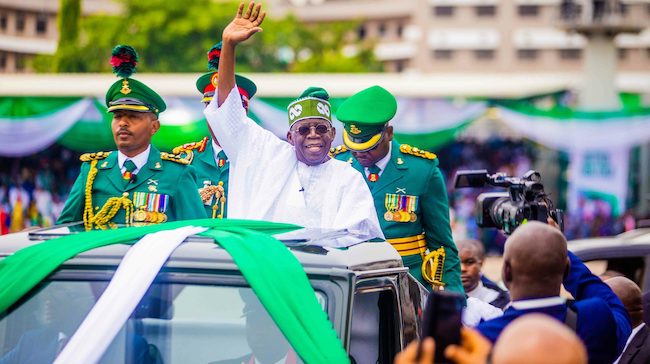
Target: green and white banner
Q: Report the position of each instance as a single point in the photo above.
(429, 123)
(24, 135)
(29, 124)
(598, 143)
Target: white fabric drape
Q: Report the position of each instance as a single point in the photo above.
(25, 136)
(419, 116)
(127, 287)
(579, 133)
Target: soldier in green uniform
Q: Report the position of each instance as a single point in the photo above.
(209, 160)
(407, 187)
(137, 183)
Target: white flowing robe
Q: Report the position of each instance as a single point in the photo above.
(267, 182)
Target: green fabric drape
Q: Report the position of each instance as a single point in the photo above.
(23, 270)
(569, 114)
(22, 107)
(171, 136)
(282, 287)
(272, 271)
(90, 135)
(434, 140)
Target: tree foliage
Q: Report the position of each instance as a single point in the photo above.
(68, 25)
(174, 36)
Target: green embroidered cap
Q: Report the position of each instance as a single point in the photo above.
(313, 103)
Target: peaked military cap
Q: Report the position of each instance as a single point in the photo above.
(312, 103)
(364, 116)
(128, 93)
(207, 83)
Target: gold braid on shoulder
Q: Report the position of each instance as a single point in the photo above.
(178, 158)
(200, 145)
(405, 148)
(188, 148)
(97, 156)
(110, 208)
(338, 150)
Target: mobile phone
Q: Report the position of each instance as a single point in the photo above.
(442, 321)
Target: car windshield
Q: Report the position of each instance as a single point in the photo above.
(173, 323)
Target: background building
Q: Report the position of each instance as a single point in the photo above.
(472, 35)
(28, 28)
(427, 36)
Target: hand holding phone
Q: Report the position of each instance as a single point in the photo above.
(442, 321)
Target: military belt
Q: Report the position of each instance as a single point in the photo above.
(410, 245)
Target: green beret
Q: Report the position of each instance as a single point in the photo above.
(130, 94)
(312, 103)
(364, 116)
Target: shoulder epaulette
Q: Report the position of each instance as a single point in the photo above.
(173, 157)
(200, 145)
(338, 150)
(405, 148)
(87, 157)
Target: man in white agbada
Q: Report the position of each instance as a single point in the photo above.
(295, 181)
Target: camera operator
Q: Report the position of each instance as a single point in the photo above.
(536, 263)
(525, 200)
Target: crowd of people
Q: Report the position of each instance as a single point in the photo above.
(43, 182)
(33, 189)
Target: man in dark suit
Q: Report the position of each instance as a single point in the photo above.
(646, 308)
(637, 348)
(536, 263)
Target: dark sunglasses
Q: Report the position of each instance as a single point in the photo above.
(321, 129)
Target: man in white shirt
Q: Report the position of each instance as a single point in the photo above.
(295, 181)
